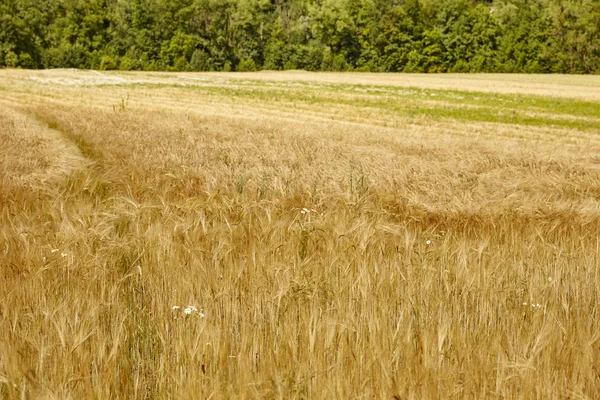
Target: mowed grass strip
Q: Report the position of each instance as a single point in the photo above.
(425, 105)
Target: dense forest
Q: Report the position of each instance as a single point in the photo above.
(532, 36)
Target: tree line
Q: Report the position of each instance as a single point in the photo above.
(530, 36)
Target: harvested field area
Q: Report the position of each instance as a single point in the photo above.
(296, 235)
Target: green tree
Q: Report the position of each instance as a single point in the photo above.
(401, 35)
(573, 36)
(523, 36)
(365, 35)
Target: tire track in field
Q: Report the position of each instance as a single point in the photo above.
(33, 153)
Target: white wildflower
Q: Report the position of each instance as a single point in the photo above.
(428, 242)
(190, 309)
(525, 303)
(44, 259)
(63, 255)
(549, 279)
(54, 251)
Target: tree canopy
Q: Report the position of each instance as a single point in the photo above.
(537, 36)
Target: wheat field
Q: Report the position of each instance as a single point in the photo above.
(296, 235)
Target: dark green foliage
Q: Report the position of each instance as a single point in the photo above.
(246, 65)
(107, 63)
(559, 36)
(201, 61)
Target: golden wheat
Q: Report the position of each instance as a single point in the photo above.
(269, 236)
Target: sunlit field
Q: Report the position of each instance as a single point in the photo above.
(299, 235)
